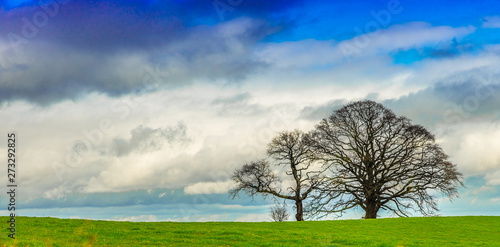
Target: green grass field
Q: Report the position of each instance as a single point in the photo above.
(428, 231)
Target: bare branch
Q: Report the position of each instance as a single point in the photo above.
(377, 160)
(289, 149)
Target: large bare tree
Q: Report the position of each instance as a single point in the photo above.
(289, 150)
(377, 160)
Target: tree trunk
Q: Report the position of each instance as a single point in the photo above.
(371, 209)
(299, 215)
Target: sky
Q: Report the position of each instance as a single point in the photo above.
(141, 110)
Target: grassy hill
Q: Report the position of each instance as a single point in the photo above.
(428, 231)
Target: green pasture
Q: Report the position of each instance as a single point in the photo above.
(425, 231)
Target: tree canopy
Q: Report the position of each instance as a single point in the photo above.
(377, 160)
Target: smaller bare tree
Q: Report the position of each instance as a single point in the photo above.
(289, 150)
(279, 213)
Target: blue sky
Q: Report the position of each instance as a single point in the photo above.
(141, 110)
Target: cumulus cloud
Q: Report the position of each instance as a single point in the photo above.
(483, 189)
(471, 145)
(414, 35)
(209, 188)
(237, 105)
(145, 139)
(213, 160)
(494, 177)
(313, 53)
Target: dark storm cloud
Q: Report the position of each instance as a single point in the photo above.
(44, 93)
(115, 48)
(110, 25)
(144, 139)
(94, 25)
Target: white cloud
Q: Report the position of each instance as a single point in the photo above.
(209, 188)
(474, 146)
(310, 53)
(493, 178)
(370, 72)
(482, 189)
(416, 34)
(435, 70)
(497, 199)
(302, 53)
(220, 143)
